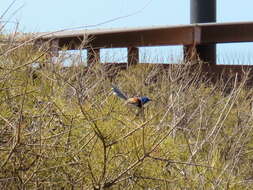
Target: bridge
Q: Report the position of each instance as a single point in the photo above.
(198, 39)
(189, 36)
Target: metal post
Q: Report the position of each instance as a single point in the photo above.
(93, 56)
(133, 55)
(53, 51)
(55, 47)
(203, 11)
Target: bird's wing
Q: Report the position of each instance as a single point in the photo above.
(118, 93)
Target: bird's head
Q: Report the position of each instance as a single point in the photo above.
(145, 99)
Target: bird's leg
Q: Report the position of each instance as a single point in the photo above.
(141, 111)
(142, 114)
(138, 112)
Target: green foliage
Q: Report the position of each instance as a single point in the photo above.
(63, 128)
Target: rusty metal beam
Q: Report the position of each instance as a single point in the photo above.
(54, 48)
(120, 38)
(71, 43)
(227, 32)
(154, 36)
(132, 55)
(93, 56)
(190, 52)
(144, 37)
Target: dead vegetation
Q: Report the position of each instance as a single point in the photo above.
(63, 129)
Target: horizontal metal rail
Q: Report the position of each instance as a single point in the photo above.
(119, 38)
(190, 36)
(156, 36)
(227, 32)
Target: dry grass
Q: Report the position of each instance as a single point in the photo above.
(63, 128)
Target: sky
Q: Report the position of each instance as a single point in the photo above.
(51, 15)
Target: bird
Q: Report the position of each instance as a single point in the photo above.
(137, 101)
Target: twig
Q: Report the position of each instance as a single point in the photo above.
(179, 162)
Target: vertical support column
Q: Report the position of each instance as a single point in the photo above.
(203, 11)
(132, 55)
(53, 50)
(93, 55)
(190, 52)
(55, 47)
(38, 45)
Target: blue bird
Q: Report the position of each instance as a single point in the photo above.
(138, 101)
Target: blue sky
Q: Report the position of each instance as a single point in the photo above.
(50, 15)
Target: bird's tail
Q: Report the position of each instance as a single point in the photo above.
(118, 93)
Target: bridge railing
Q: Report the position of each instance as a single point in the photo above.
(190, 36)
